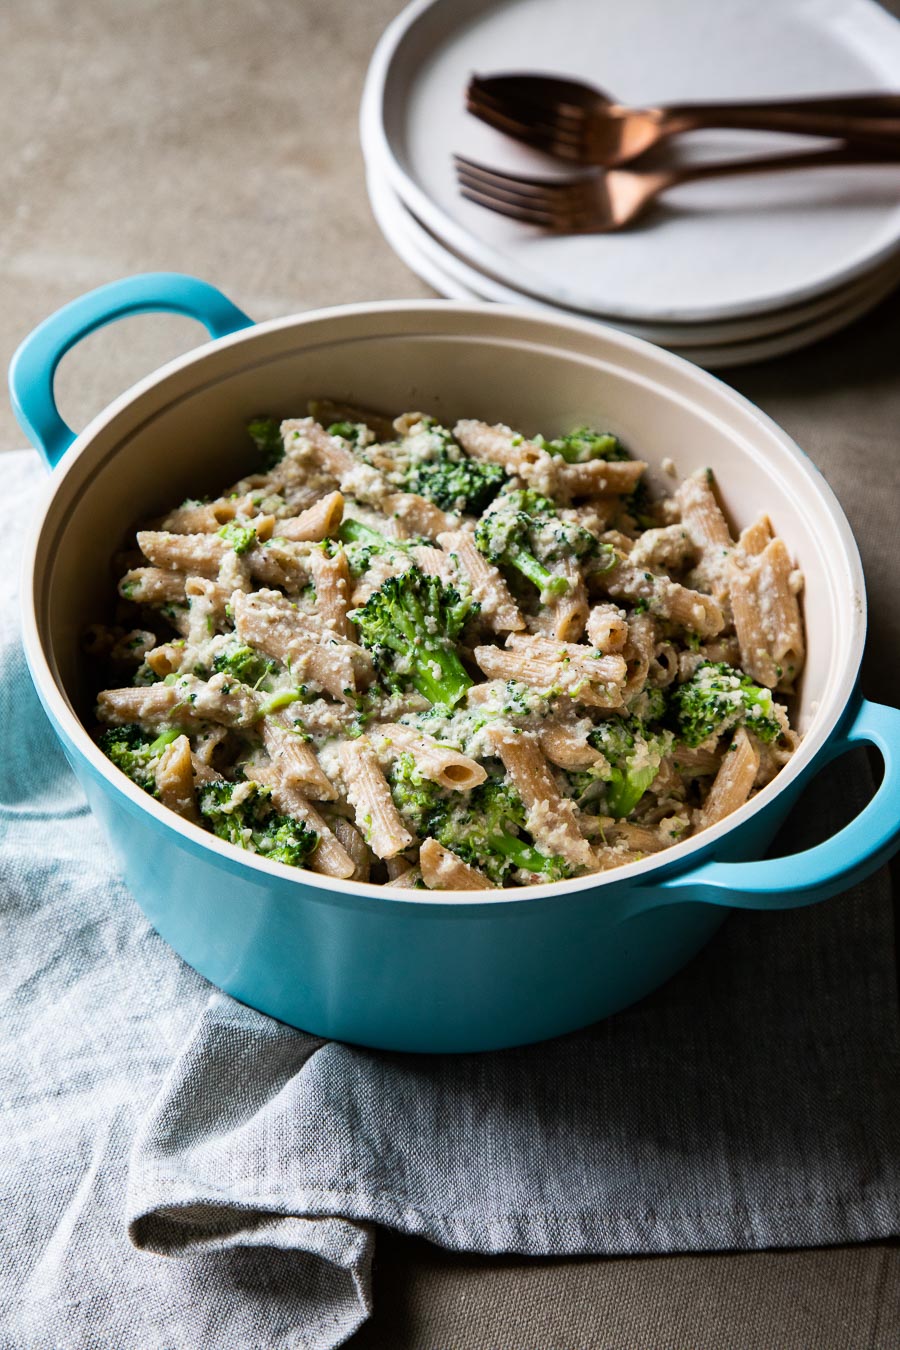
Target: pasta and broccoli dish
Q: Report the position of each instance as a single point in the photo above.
(449, 659)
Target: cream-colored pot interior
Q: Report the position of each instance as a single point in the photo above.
(181, 433)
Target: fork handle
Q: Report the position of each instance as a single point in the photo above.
(861, 118)
(812, 159)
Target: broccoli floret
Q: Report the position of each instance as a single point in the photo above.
(266, 436)
(632, 754)
(243, 814)
(433, 464)
(523, 530)
(362, 544)
(409, 624)
(246, 665)
(718, 698)
(135, 754)
(356, 433)
(481, 827)
(240, 537)
(650, 705)
(584, 444)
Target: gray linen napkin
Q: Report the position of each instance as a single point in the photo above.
(752, 1102)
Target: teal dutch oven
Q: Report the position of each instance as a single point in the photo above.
(406, 970)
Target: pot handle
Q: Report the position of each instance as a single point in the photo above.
(849, 856)
(32, 369)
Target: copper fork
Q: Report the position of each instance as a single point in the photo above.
(610, 199)
(574, 121)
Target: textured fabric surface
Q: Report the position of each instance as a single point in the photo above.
(750, 1103)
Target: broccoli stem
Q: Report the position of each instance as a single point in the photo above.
(354, 532)
(523, 855)
(448, 684)
(549, 583)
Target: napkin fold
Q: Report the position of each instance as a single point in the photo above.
(752, 1102)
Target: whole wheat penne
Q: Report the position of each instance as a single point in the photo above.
(330, 857)
(165, 659)
(152, 586)
(377, 818)
(444, 871)
(199, 554)
(551, 818)
(756, 536)
(597, 477)
(333, 589)
(498, 445)
(663, 664)
(499, 610)
(567, 747)
(207, 604)
(408, 880)
(417, 515)
(689, 609)
(550, 668)
(316, 523)
(175, 779)
(637, 838)
(566, 615)
(199, 517)
(150, 705)
(261, 567)
(607, 628)
(203, 772)
(435, 563)
(206, 741)
(308, 437)
(702, 514)
(295, 760)
(693, 761)
(270, 623)
(436, 762)
(638, 653)
(353, 844)
(733, 783)
(767, 616)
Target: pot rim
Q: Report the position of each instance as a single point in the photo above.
(678, 858)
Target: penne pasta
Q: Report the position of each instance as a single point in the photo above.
(175, 779)
(377, 818)
(443, 870)
(290, 664)
(437, 762)
(315, 523)
(268, 622)
(733, 782)
(329, 857)
(499, 610)
(551, 817)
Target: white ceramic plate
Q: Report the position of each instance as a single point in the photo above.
(712, 251)
(406, 232)
(710, 356)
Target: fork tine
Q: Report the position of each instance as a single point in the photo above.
(560, 189)
(513, 210)
(537, 205)
(540, 89)
(538, 133)
(527, 103)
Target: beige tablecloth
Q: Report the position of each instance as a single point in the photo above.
(221, 140)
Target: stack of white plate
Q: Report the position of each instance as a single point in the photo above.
(723, 272)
